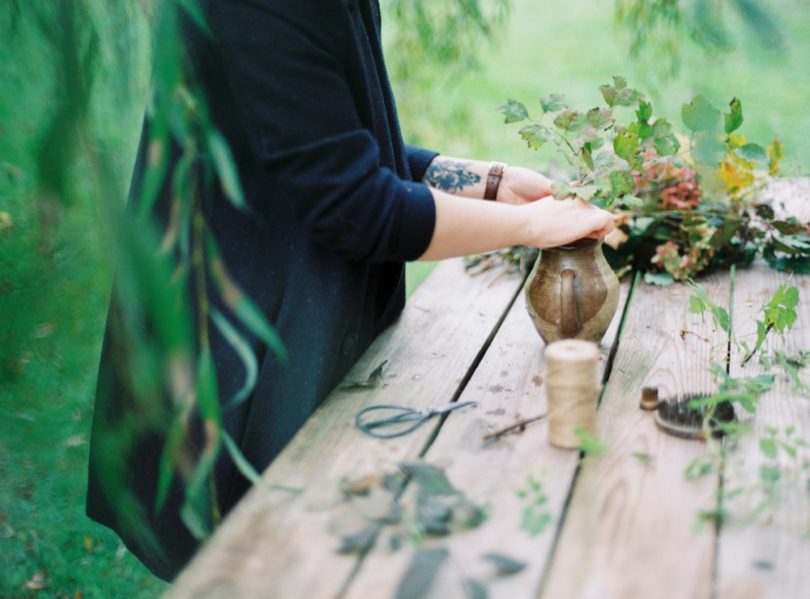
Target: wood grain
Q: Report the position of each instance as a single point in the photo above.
(629, 529)
(277, 544)
(508, 386)
(768, 556)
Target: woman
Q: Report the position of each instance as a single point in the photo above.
(300, 91)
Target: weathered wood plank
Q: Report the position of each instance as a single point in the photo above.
(769, 556)
(276, 544)
(628, 531)
(507, 386)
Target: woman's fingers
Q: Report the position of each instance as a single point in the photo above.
(558, 222)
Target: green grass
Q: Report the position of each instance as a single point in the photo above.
(54, 283)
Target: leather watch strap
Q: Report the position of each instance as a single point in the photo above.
(496, 170)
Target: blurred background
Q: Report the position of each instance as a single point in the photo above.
(74, 77)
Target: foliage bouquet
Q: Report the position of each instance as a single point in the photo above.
(685, 202)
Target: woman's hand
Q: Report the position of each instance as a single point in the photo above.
(521, 185)
(551, 222)
(464, 227)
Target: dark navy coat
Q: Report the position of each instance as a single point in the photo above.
(300, 91)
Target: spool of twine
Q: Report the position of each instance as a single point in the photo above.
(572, 390)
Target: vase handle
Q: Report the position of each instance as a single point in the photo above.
(569, 321)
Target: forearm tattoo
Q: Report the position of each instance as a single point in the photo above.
(450, 175)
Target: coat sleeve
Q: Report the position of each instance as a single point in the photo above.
(419, 160)
(284, 63)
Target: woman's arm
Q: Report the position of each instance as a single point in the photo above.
(468, 178)
(463, 227)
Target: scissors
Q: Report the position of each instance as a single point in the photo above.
(399, 420)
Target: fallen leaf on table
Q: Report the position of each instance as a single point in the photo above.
(504, 565)
(372, 382)
(421, 573)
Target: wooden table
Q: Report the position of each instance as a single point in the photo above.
(623, 523)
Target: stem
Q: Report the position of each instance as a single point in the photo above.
(570, 147)
(757, 346)
(520, 424)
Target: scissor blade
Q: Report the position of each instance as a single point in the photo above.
(452, 406)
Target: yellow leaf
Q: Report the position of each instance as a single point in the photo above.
(776, 152)
(736, 174)
(5, 221)
(735, 140)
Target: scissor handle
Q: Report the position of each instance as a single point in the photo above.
(403, 414)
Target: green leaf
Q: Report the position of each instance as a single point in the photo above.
(631, 201)
(625, 144)
(586, 192)
(622, 182)
(599, 118)
(667, 146)
(552, 103)
(569, 120)
(504, 565)
(644, 458)
(644, 111)
(589, 444)
(534, 522)
(561, 189)
(768, 447)
(254, 320)
(535, 135)
(696, 305)
(619, 94)
(430, 479)
(788, 449)
(421, 573)
(585, 154)
(721, 317)
(662, 128)
(661, 279)
(700, 115)
(239, 459)
(168, 458)
(207, 393)
(193, 9)
(226, 169)
(734, 118)
(780, 311)
(754, 153)
(474, 589)
(708, 150)
(513, 111)
(769, 474)
(241, 304)
(245, 353)
(697, 468)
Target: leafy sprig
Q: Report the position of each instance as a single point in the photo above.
(603, 151)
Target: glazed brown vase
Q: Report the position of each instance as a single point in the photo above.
(572, 293)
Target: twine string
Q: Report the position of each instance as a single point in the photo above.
(572, 390)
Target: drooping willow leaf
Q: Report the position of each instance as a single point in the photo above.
(192, 8)
(245, 467)
(245, 353)
(168, 459)
(226, 169)
(199, 511)
(241, 305)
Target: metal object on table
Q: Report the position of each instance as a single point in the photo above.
(392, 420)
